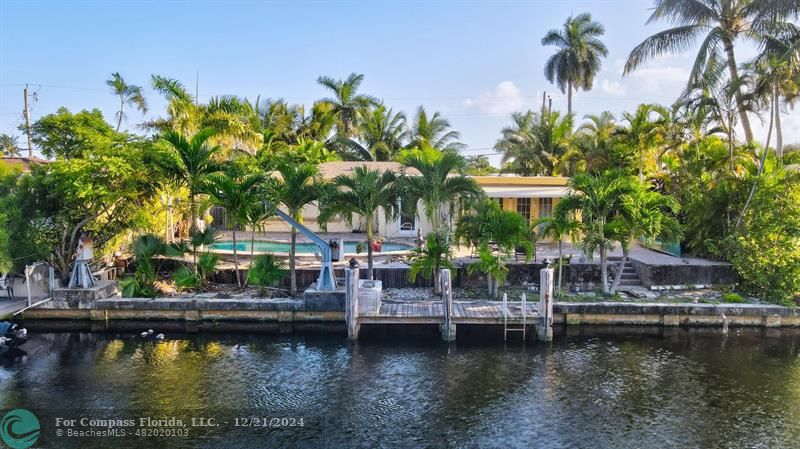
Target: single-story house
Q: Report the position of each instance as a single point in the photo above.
(24, 164)
(532, 196)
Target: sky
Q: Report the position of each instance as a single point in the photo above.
(476, 62)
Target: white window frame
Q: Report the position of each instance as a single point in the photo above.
(399, 222)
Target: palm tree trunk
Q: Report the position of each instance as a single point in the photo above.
(604, 267)
(252, 246)
(778, 130)
(560, 263)
(437, 279)
(569, 97)
(236, 260)
(763, 161)
(618, 275)
(121, 110)
(734, 72)
(292, 263)
(369, 248)
(489, 279)
(193, 214)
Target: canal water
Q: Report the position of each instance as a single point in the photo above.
(685, 389)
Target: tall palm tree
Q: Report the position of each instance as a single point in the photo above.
(577, 61)
(238, 195)
(191, 164)
(129, 95)
(434, 132)
(533, 145)
(363, 193)
(297, 186)
(437, 184)
(595, 200)
(9, 146)
(347, 105)
(719, 23)
(382, 133)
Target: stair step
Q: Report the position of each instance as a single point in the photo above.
(630, 282)
(630, 276)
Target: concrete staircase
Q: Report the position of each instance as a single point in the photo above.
(630, 278)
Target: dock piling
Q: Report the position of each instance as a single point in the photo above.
(544, 330)
(351, 303)
(448, 327)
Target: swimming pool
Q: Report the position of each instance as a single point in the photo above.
(302, 248)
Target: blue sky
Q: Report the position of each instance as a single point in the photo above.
(474, 61)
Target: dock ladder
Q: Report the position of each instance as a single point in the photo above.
(514, 327)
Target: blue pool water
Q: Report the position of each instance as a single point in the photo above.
(302, 248)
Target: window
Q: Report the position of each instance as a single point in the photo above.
(500, 202)
(524, 208)
(545, 207)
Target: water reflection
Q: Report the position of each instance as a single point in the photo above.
(685, 389)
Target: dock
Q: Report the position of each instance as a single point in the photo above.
(464, 312)
(9, 308)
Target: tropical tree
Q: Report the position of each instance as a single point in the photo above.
(129, 95)
(436, 182)
(641, 132)
(238, 195)
(479, 166)
(382, 133)
(429, 260)
(533, 145)
(579, 55)
(233, 119)
(347, 105)
(719, 24)
(434, 132)
(364, 193)
(64, 135)
(190, 164)
(9, 146)
(558, 227)
(296, 186)
(643, 214)
(595, 200)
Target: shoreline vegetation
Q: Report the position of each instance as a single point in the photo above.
(675, 172)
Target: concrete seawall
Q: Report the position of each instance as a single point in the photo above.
(331, 310)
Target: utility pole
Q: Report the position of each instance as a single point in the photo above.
(28, 123)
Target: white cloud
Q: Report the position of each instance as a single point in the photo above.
(505, 98)
(614, 88)
(666, 80)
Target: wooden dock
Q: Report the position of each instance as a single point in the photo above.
(464, 312)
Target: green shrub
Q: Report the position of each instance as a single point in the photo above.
(733, 297)
(265, 271)
(766, 253)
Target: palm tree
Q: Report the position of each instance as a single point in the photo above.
(719, 24)
(598, 200)
(533, 145)
(434, 132)
(233, 119)
(129, 95)
(642, 131)
(297, 186)
(363, 193)
(436, 182)
(9, 146)
(191, 164)
(382, 133)
(431, 259)
(558, 227)
(644, 214)
(578, 59)
(347, 105)
(238, 195)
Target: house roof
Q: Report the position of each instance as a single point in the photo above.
(24, 163)
(330, 170)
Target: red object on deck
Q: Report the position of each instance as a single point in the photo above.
(376, 246)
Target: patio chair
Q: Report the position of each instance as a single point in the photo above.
(7, 284)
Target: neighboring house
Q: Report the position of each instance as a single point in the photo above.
(532, 196)
(24, 163)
